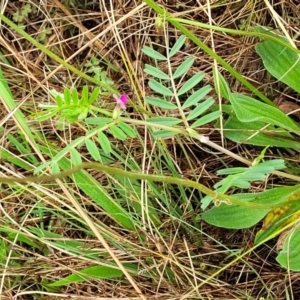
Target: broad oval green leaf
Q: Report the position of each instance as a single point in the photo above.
(153, 53)
(255, 133)
(160, 103)
(155, 72)
(160, 88)
(194, 80)
(282, 62)
(184, 67)
(289, 256)
(197, 96)
(238, 217)
(250, 110)
(276, 224)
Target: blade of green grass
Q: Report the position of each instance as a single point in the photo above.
(93, 189)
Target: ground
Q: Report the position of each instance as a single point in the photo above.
(55, 229)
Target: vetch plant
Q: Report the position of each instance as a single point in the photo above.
(169, 93)
(175, 94)
(70, 107)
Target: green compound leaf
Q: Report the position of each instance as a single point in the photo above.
(160, 88)
(191, 83)
(184, 67)
(155, 72)
(93, 149)
(160, 103)
(196, 96)
(179, 43)
(153, 53)
(104, 142)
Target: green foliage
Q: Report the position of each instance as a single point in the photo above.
(289, 256)
(282, 62)
(242, 177)
(237, 217)
(168, 91)
(188, 99)
(257, 133)
(94, 68)
(92, 188)
(19, 16)
(87, 274)
(44, 32)
(69, 105)
(256, 123)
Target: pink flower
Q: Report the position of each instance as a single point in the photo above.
(121, 101)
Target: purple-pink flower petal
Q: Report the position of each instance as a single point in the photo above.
(121, 101)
